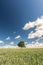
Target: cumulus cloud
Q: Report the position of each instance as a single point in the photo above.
(38, 24)
(28, 25)
(1, 42)
(12, 43)
(35, 45)
(9, 46)
(17, 37)
(8, 38)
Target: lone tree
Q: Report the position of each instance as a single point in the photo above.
(21, 44)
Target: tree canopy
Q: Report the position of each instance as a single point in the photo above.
(21, 44)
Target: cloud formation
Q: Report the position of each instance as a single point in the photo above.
(17, 37)
(9, 46)
(28, 25)
(8, 38)
(1, 42)
(35, 45)
(12, 43)
(38, 24)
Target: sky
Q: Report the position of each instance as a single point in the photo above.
(21, 20)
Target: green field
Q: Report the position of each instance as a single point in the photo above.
(21, 56)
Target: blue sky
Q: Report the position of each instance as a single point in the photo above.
(14, 14)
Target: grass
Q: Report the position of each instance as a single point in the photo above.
(21, 56)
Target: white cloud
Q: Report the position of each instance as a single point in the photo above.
(17, 37)
(28, 25)
(12, 43)
(9, 46)
(8, 38)
(38, 30)
(36, 44)
(1, 42)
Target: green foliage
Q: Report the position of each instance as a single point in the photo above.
(21, 56)
(21, 44)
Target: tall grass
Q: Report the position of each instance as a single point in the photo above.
(21, 56)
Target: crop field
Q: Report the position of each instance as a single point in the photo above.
(21, 56)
